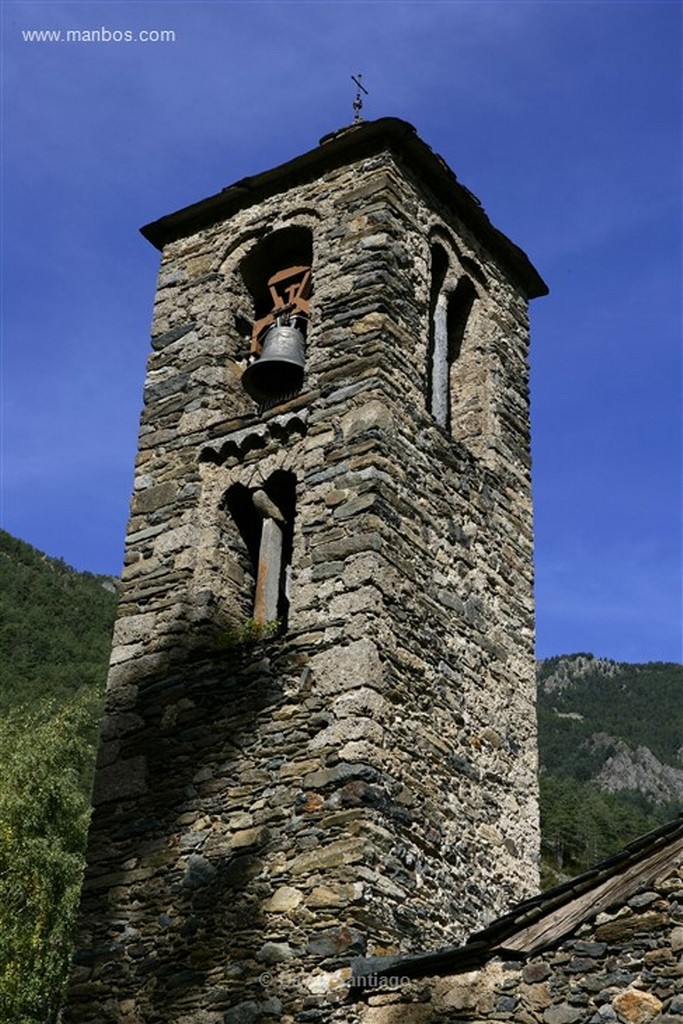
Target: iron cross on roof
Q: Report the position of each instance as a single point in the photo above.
(358, 101)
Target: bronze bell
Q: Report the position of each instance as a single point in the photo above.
(279, 370)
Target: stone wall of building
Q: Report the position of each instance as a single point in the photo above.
(623, 967)
(366, 780)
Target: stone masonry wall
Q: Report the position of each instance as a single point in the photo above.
(623, 967)
(366, 782)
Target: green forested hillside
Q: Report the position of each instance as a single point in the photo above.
(55, 625)
(55, 632)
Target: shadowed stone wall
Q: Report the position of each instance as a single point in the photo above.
(364, 782)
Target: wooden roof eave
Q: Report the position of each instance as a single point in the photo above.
(335, 150)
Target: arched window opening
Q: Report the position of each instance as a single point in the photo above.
(287, 247)
(264, 517)
(458, 309)
(277, 273)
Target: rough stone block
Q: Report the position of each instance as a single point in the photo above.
(562, 1014)
(283, 900)
(131, 629)
(121, 780)
(345, 851)
(345, 668)
(374, 414)
(636, 1007)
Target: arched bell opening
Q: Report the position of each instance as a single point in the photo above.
(277, 273)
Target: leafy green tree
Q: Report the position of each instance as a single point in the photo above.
(55, 637)
(46, 755)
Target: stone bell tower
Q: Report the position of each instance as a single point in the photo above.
(319, 739)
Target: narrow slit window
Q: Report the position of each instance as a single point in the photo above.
(449, 313)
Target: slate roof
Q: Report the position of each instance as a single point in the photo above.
(338, 149)
(544, 920)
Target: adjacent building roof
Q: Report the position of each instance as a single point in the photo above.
(543, 921)
(340, 148)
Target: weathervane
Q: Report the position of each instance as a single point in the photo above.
(358, 101)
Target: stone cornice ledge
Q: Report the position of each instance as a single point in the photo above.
(236, 439)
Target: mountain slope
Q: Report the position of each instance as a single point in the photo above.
(638, 704)
(611, 755)
(55, 625)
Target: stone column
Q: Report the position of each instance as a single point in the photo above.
(269, 572)
(440, 363)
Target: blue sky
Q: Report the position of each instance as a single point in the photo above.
(564, 118)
